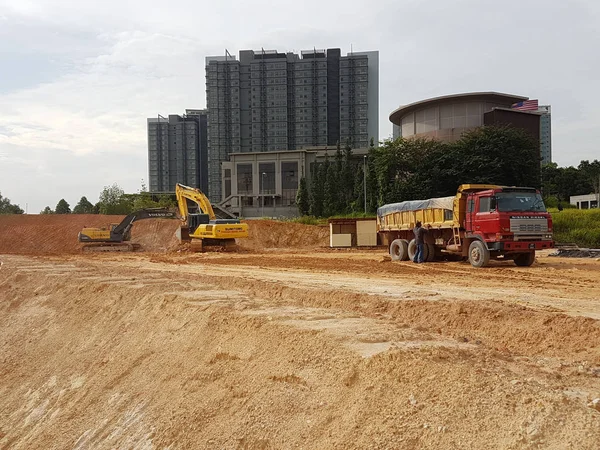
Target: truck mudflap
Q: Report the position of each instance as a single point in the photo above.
(519, 246)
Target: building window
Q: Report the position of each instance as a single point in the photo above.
(244, 179)
(289, 182)
(227, 183)
(267, 178)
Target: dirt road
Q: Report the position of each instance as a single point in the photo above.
(297, 349)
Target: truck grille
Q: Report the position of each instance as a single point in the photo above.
(526, 225)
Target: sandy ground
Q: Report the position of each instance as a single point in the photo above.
(292, 345)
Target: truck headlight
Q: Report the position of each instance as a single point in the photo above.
(548, 237)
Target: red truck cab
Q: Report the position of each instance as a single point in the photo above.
(512, 222)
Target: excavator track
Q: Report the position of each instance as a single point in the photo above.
(213, 245)
(105, 247)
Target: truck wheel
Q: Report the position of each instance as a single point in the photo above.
(525, 259)
(412, 250)
(399, 250)
(405, 246)
(479, 255)
(430, 252)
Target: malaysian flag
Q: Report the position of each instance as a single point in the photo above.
(527, 105)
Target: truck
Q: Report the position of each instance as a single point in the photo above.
(479, 223)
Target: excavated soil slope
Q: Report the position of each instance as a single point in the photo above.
(288, 345)
(57, 234)
(120, 351)
(270, 234)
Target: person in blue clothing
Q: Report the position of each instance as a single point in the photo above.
(419, 232)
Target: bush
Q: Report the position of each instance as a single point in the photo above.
(581, 226)
(308, 220)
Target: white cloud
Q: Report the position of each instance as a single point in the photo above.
(103, 107)
(124, 61)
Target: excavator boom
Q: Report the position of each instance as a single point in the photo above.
(182, 192)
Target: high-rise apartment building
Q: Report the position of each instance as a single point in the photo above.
(545, 133)
(178, 151)
(272, 101)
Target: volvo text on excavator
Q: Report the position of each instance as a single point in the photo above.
(115, 236)
(203, 229)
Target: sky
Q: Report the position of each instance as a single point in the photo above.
(79, 78)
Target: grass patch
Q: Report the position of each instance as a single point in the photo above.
(309, 220)
(312, 220)
(581, 226)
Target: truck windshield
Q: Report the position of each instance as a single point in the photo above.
(520, 201)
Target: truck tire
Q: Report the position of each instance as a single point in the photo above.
(430, 252)
(479, 255)
(412, 250)
(399, 250)
(525, 259)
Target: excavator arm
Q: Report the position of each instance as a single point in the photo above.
(185, 192)
(124, 227)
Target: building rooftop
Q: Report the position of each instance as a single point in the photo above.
(396, 115)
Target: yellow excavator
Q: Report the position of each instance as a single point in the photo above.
(203, 229)
(115, 237)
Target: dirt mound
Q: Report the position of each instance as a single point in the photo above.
(156, 235)
(57, 234)
(269, 234)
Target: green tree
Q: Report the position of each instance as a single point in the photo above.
(112, 200)
(6, 207)
(496, 155)
(592, 171)
(357, 204)
(564, 182)
(371, 178)
(316, 191)
(166, 201)
(409, 169)
(83, 207)
(397, 168)
(346, 179)
(302, 198)
(143, 199)
(62, 207)
(47, 210)
(331, 204)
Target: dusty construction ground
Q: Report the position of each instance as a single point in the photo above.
(302, 348)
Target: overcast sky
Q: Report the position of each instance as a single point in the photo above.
(78, 78)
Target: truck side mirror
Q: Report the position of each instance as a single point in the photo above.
(493, 204)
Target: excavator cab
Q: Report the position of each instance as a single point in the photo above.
(195, 220)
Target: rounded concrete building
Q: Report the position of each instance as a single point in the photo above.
(446, 118)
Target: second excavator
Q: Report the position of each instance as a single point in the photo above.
(116, 236)
(203, 229)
